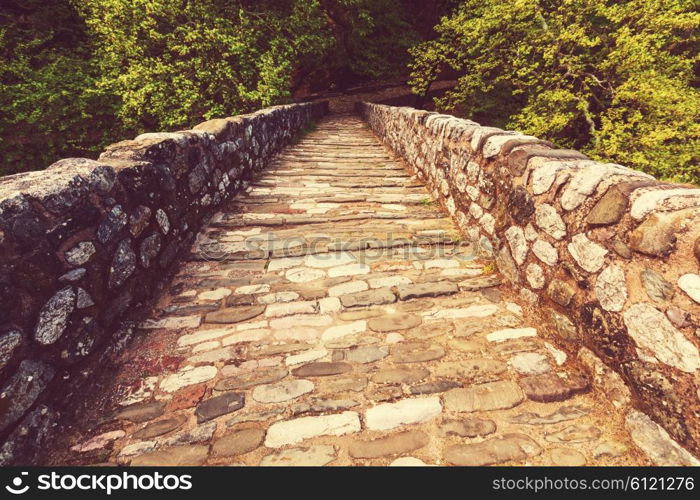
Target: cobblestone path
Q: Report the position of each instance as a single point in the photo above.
(331, 316)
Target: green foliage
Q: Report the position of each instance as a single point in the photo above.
(173, 64)
(617, 79)
(49, 104)
(373, 37)
(77, 74)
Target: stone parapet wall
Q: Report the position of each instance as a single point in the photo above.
(607, 257)
(84, 243)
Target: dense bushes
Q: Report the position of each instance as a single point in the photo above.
(77, 74)
(617, 79)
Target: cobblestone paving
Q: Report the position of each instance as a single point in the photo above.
(331, 316)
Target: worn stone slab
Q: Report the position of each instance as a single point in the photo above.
(396, 444)
(499, 395)
(416, 352)
(219, 405)
(393, 322)
(467, 427)
(160, 427)
(176, 456)
(187, 376)
(421, 290)
(282, 391)
(234, 314)
(551, 387)
(238, 442)
(506, 448)
(404, 412)
(376, 296)
(297, 430)
(141, 412)
(561, 414)
(246, 380)
(400, 375)
(322, 369)
(311, 456)
(656, 442)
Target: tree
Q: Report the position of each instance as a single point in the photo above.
(49, 106)
(173, 64)
(617, 79)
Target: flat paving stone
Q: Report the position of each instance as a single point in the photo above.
(348, 341)
(467, 427)
(322, 369)
(530, 363)
(200, 434)
(354, 315)
(404, 412)
(297, 430)
(415, 352)
(507, 448)
(408, 462)
(188, 376)
(574, 434)
(430, 330)
(141, 412)
(176, 456)
(567, 457)
(323, 405)
(551, 387)
(396, 444)
(246, 380)
(282, 391)
(234, 314)
(255, 416)
(219, 405)
(273, 349)
(420, 290)
(238, 442)
(510, 333)
(384, 393)
(368, 298)
(311, 456)
(469, 328)
(476, 370)
(160, 427)
(354, 383)
(499, 395)
(393, 322)
(400, 375)
(303, 274)
(366, 354)
(434, 387)
(561, 414)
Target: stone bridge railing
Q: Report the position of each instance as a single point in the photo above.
(85, 243)
(606, 257)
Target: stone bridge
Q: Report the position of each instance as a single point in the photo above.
(294, 287)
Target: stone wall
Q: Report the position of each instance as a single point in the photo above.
(85, 243)
(605, 256)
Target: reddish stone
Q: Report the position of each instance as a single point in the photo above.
(187, 397)
(160, 365)
(550, 387)
(678, 317)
